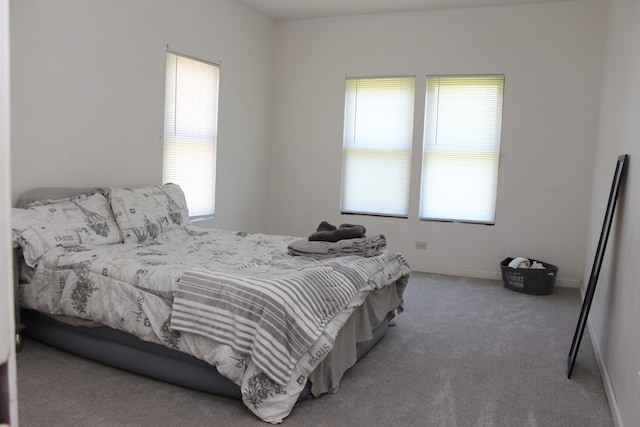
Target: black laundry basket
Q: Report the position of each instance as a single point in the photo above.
(532, 281)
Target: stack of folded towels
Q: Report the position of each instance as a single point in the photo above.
(329, 241)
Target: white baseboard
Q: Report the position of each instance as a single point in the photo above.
(493, 275)
(606, 380)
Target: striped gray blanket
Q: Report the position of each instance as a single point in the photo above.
(273, 312)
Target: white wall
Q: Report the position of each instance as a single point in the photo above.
(88, 79)
(551, 55)
(88, 94)
(615, 311)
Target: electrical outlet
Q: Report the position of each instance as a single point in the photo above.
(421, 245)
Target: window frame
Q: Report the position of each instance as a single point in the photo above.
(371, 148)
(197, 128)
(492, 154)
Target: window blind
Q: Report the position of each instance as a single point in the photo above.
(461, 148)
(377, 140)
(191, 130)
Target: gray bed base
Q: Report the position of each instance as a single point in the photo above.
(127, 352)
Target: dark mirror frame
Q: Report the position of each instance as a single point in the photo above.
(597, 262)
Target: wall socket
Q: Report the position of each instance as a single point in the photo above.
(421, 245)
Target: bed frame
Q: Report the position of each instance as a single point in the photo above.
(125, 351)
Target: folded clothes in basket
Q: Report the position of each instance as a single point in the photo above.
(521, 262)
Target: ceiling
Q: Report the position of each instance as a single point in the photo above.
(286, 10)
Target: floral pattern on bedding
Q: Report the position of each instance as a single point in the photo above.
(145, 213)
(130, 287)
(80, 220)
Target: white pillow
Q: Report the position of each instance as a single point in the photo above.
(81, 221)
(145, 213)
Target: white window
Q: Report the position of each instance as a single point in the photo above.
(377, 140)
(461, 148)
(191, 131)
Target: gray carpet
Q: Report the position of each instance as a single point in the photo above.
(466, 352)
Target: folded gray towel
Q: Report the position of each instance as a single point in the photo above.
(364, 230)
(366, 247)
(325, 226)
(328, 233)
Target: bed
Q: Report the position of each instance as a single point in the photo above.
(120, 275)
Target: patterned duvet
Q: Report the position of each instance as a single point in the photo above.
(131, 287)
